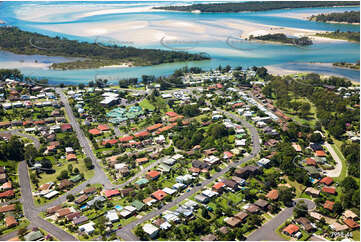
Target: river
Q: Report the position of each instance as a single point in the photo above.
(135, 24)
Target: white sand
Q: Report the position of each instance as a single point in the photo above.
(18, 64)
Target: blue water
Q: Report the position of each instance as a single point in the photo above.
(226, 51)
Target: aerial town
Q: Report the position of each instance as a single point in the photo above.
(222, 158)
(180, 120)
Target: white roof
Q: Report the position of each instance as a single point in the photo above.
(168, 190)
(112, 216)
(119, 166)
(177, 156)
(51, 194)
(88, 228)
(130, 208)
(209, 193)
(150, 229)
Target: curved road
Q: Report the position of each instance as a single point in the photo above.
(18, 133)
(126, 232)
(267, 231)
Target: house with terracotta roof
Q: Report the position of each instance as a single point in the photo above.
(351, 223)
(329, 190)
(328, 205)
(291, 230)
(141, 161)
(110, 141)
(94, 132)
(320, 153)
(272, 195)
(297, 147)
(310, 162)
(327, 180)
(227, 155)
(66, 127)
(142, 134)
(125, 139)
(152, 175)
(71, 157)
(171, 114)
(7, 194)
(103, 127)
(154, 127)
(7, 208)
(111, 193)
(218, 187)
(10, 221)
(159, 195)
(63, 212)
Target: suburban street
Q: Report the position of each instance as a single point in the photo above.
(18, 133)
(126, 232)
(267, 230)
(31, 212)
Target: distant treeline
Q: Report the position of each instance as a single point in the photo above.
(345, 17)
(95, 55)
(348, 65)
(351, 36)
(282, 38)
(257, 6)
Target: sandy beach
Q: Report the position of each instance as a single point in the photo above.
(278, 70)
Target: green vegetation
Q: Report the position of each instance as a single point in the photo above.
(93, 54)
(345, 17)
(350, 36)
(282, 38)
(256, 6)
(348, 65)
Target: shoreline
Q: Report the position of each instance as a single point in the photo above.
(281, 71)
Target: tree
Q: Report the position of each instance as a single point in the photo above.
(286, 196)
(305, 109)
(316, 138)
(30, 152)
(63, 175)
(205, 213)
(300, 209)
(70, 197)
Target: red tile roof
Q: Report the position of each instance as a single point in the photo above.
(141, 160)
(174, 119)
(6, 194)
(70, 157)
(291, 229)
(126, 138)
(273, 194)
(218, 185)
(110, 193)
(65, 127)
(142, 134)
(171, 114)
(351, 223)
(310, 162)
(320, 153)
(166, 128)
(153, 174)
(94, 131)
(228, 154)
(7, 208)
(326, 180)
(159, 195)
(328, 205)
(103, 127)
(10, 221)
(330, 190)
(110, 141)
(154, 127)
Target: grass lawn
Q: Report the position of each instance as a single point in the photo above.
(145, 104)
(299, 187)
(356, 235)
(23, 223)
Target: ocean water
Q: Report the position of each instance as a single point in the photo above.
(74, 20)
